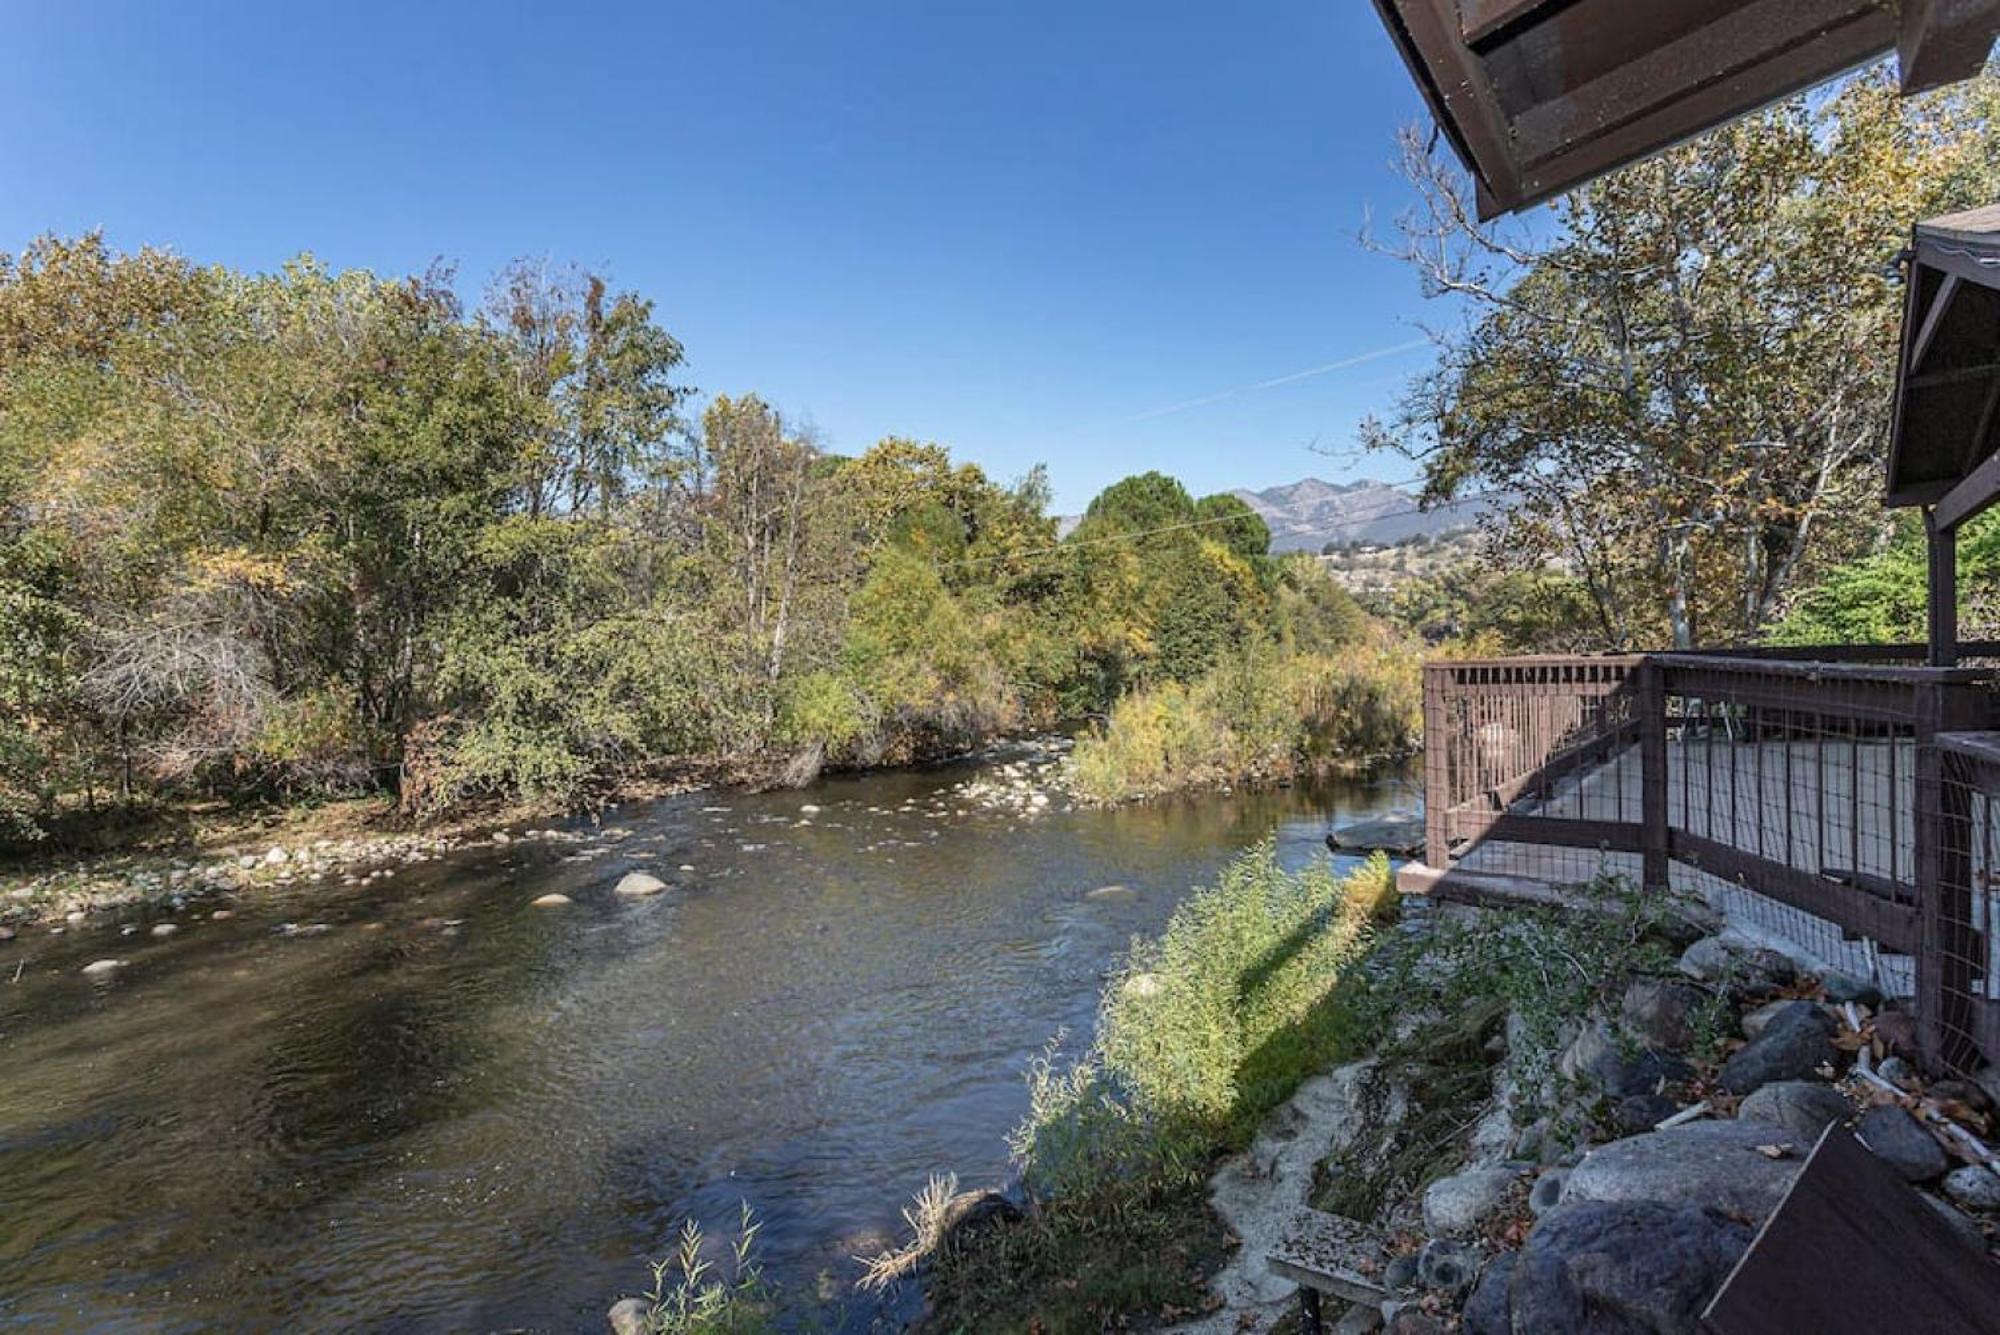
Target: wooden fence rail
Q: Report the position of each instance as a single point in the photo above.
(1846, 790)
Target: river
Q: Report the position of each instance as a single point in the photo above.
(437, 1107)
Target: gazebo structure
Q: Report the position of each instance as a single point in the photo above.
(1842, 797)
(1942, 447)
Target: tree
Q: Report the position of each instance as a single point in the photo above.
(1682, 391)
(597, 375)
(1230, 521)
(777, 546)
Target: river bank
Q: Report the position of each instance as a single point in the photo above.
(1552, 1119)
(171, 858)
(424, 1102)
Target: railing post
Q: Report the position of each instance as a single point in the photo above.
(1945, 938)
(1653, 846)
(1437, 851)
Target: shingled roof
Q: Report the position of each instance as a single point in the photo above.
(1538, 96)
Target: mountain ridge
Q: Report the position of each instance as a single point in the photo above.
(1308, 514)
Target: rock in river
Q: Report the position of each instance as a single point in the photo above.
(1393, 834)
(550, 901)
(102, 968)
(630, 1316)
(1975, 1187)
(1658, 1012)
(1746, 969)
(638, 885)
(1617, 1067)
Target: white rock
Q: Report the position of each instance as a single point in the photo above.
(1464, 1202)
(809, 810)
(274, 856)
(551, 901)
(102, 968)
(638, 885)
(164, 929)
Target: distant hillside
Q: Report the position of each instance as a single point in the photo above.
(1310, 513)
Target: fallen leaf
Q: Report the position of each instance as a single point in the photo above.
(1775, 1151)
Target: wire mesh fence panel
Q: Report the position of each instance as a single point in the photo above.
(1825, 805)
(1966, 1027)
(1526, 753)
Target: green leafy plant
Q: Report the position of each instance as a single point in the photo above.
(691, 1295)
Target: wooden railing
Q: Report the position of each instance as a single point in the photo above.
(1820, 785)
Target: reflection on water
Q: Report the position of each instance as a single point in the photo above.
(455, 1111)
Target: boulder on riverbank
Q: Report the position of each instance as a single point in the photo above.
(1741, 1167)
(1796, 1043)
(1601, 1266)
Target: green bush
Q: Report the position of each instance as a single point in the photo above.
(1201, 1033)
(1879, 598)
(1259, 714)
(1206, 1028)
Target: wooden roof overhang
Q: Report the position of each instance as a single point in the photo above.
(1538, 96)
(1942, 447)
(1944, 451)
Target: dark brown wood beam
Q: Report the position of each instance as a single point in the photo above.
(1941, 589)
(1843, 48)
(1957, 375)
(1933, 318)
(1678, 76)
(1480, 19)
(1974, 492)
(1454, 83)
(1917, 493)
(1943, 41)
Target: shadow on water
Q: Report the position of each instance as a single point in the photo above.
(453, 1110)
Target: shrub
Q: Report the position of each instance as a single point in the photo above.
(1207, 1027)
(1261, 713)
(1201, 1033)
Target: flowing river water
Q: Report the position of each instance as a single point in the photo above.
(441, 1108)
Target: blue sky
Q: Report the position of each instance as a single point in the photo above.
(1022, 229)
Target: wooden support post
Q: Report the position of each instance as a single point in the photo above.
(1309, 1321)
(1437, 770)
(1942, 590)
(1653, 844)
(1946, 939)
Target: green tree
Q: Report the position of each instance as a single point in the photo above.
(1681, 387)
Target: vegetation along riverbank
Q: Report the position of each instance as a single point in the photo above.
(1201, 1033)
(278, 538)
